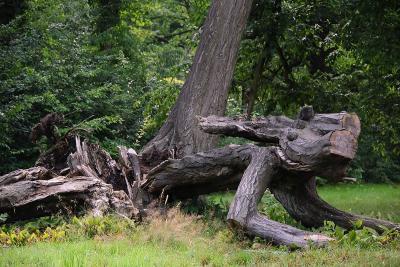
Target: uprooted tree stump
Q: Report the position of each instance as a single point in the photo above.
(286, 159)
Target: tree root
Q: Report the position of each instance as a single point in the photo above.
(300, 198)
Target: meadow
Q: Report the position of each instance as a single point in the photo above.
(193, 236)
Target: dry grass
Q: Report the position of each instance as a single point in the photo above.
(172, 226)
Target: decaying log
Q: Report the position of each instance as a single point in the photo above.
(91, 160)
(55, 159)
(76, 175)
(325, 143)
(32, 174)
(130, 165)
(34, 198)
(201, 173)
(297, 150)
(130, 160)
(93, 183)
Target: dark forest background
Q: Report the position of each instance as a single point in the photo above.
(115, 69)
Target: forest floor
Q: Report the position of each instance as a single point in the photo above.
(183, 238)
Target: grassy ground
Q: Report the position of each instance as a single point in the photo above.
(179, 239)
(380, 201)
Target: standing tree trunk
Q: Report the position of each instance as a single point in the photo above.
(9, 9)
(251, 93)
(205, 91)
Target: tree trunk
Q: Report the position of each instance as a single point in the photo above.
(290, 153)
(205, 91)
(312, 144)
(259, 67)
(35, 197)
(9, 9)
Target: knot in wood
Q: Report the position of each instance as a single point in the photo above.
(306, 113)
(291, 136)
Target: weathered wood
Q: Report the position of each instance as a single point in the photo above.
(299, 149)
(120, 203)
(55, 159)
(30, 197)
(290, 154)
(31, 174)
(91, 160)
(323, 143)
(130, 160)
(243, 212)
(201, 173)
(92, 177)
(124, 162)
(130, 165)
(34, 198)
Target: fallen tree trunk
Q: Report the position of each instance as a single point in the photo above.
(93, 183)
(201, 173)
(290, 153)
(34, 198)
(297, 151)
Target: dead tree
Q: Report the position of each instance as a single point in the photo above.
(289, 156)
(286, 159)
(47, 127)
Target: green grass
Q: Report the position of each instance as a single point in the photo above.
(380, 201)
(180, 239)
(127, 252)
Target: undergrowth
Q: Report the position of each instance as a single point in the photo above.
(188, 234)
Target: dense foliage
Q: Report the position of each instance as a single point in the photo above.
(334, 55)
(116, 77)
(115, 68)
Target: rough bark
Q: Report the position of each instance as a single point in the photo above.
(206, 88)
(290, 153)
(31, 174)
(299, 149)
(94, 182)
(91, 160)
(243, 212)
(130, 164)
(201, 173)
(55, 158)
(324, 143)
(32, 198)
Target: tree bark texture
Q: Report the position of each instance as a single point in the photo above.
(296, 151)
(205, 91)
(32, 198)
(93, 181)
(286, 159)
(243, 212)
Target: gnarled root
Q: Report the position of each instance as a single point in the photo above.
(243, 210)
(299, 197)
